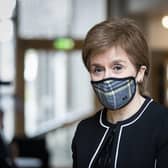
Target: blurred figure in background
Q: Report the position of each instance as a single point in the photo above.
(5, 158)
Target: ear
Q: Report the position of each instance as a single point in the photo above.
(141, 74)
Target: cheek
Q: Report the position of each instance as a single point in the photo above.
(132, 71)
(95, 78)
(92, 77)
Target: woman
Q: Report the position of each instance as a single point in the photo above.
(131, 130)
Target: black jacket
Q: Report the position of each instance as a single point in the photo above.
(6, 160)
(139, 142)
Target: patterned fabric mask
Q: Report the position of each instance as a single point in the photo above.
(115, 93)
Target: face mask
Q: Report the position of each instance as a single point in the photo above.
(115, 93)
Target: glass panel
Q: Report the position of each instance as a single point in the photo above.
(6, 9)
(80, 92)
(59, 145)
(57, 18)
(85, 14)
(57, 90)
(45, 90)
(7, 73)
(7, 105)
(7, 61)
(50, 18)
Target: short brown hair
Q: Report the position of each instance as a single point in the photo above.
(122, 32)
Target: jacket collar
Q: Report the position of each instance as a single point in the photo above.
(103, 115)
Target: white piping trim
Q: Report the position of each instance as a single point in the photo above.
(100, 120)
(155, 163)
(117, 149)
(93, 157)
(119, 138)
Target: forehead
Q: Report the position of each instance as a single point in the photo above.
(113, 54)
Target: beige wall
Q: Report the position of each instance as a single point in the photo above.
(157, 35)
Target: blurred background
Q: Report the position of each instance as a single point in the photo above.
(44, 87)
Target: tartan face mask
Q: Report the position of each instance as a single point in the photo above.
(115, 93)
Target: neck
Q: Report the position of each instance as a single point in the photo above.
(127, 111)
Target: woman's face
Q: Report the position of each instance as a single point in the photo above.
(112, 63)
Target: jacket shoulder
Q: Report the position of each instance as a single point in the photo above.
(159, 109)
(88, 126)
(90, 121)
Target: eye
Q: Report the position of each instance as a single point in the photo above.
(117, 68)
(97, 70)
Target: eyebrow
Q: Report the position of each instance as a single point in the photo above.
(113, 62)
(96, 64)
(118, 61)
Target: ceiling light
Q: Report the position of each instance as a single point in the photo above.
(165, 22)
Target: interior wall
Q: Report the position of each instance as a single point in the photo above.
(156, 85)
(158, 43)
(144, 6)
(157, 35)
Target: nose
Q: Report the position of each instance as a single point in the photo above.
(107, 74)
